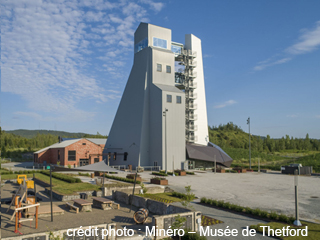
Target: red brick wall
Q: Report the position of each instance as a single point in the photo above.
(87, 151)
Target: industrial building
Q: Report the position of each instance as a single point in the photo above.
(162, 116)
(71, 152)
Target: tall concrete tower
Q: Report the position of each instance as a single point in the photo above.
(163, 106)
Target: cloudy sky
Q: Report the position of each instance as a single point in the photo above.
(65, 63)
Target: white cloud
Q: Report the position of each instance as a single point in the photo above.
(225, 104)
(50, 50)
(308, 41)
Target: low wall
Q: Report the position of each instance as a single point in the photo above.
(193, 220)
(154, 207)
(62, 234)
(301, 170)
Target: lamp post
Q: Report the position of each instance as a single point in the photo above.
(297, 221)
(165, 137)
(248, 122)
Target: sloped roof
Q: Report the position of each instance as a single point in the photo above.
(208, 153)
(65, 143)
(168, 88)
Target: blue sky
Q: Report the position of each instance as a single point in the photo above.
(65, 63)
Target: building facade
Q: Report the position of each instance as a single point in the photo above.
(73, 153)
(163, 106)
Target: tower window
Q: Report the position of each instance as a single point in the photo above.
(125, 156)
(159, 67)
(158, 42)
(178, 99)
(168, 69)
(169, 98)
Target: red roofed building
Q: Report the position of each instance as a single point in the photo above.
(73, 152)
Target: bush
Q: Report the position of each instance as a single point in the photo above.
(220, 203)
(248, 210)
(190, 173)
(283, 218)
(226, 205)
(256, 211)
(239, 208)
(159, 173)
(62, 177)
(121, 179)
(84, 174)
(273, 216)
(264, 214)
(203, 200)
(291, 220)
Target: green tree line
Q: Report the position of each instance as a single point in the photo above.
(232, 136)
(14, 143)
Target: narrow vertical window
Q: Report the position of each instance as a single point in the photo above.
(169, 98)
(168, 69)
(178, 99)
(159, 67)
(125, 156)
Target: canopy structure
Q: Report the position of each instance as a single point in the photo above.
(207, 153)
(96, 167)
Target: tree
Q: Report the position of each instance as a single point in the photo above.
(188, 197)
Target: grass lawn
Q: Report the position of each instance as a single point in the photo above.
(66, 188)
(313, 230)
(162, 197)
(14, 176)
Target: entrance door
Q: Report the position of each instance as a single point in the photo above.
(84, 162)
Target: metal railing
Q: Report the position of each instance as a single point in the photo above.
(191, 95)
(152, 168)
(191, 138)
(118, 167)
(192, 85)
(191, 127)
(192, 117)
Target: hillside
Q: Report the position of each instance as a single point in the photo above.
(32, 133)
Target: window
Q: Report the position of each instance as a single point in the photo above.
(169, 98)
(58, 154)
(178, 99)
(71, 155)
(114, 156)
(155, 163)
(84, 144)
(176, 49)
(168, 69)
(141, 45)
(158, 42)
(159, 67)
(125, 156)
(96, 160)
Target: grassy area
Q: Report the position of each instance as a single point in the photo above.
(14, 176)
(313, 230)
(162, 197)
(65, 187)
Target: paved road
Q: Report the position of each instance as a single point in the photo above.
(256, 190)
(234, 221)
(18, 166)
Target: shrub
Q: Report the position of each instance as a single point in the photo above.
(220, 203)
(291, 220)
(226, 205)
(283, 218)
(264, 214)
(248, 210)
(121, 179)
(239, 208)
(159, 173)
(203, 200)
(62, 177)
(273, 216)
(256, 211)
(190, 173)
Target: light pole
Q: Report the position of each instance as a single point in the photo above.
(297, 221)
(248, 122)
(165, 137)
